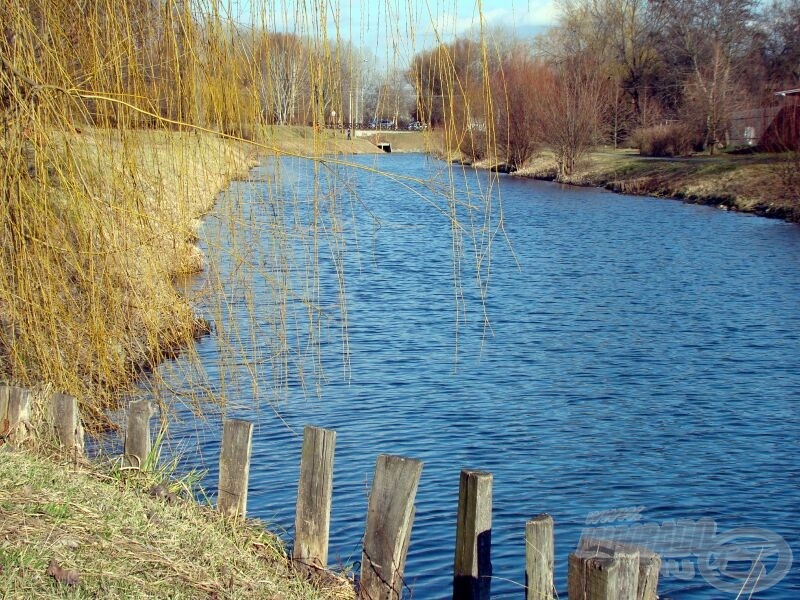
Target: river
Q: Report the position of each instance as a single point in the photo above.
(639, 354)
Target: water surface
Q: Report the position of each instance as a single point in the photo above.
(640, 353)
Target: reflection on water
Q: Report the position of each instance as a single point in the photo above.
(640, 353)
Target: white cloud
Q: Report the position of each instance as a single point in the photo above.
(539, 13)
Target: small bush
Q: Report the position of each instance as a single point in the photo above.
(674, 139)
(475, 145)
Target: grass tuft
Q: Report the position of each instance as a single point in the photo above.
(124, 541)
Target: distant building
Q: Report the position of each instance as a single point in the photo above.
(773, 128)
(783, 133)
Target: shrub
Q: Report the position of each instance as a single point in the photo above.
(673, 139)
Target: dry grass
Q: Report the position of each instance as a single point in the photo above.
(127, 543)
(92, 240)
(118, 124)
(750, 183)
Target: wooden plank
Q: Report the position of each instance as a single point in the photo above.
(67, 422)
(539, 558)
(234, 467)
(314, 492)
(138, 441)
(472, 569)
(389, 515)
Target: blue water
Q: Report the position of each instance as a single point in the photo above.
(638, 353)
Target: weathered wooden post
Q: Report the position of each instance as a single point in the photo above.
(4, 393)
(592, 577)
(649, 567)
(138, 443)
(18, 413)
(314, 492)
(234, 467)
(641, 571)
(472, 570)
(539, 558)
(389, 519)
(628, 574)
(67, 422)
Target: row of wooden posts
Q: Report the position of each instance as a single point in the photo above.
(598, 570)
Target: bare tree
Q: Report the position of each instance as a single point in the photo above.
(573, 103)
(711, 39)
(516, 101)
(620, 35)
(283, 60)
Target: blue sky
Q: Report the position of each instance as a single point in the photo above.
(393, 30)
(433, 21)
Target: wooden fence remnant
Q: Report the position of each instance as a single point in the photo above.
(314, 492)
(234, 466)
(592, 577)
(627, 575)
(18, 411)
(4, 424)
(649, 567)
(389, 519)
(67, 422)
(539, 558)
(472, 569)
(138, 442)
(648, 563)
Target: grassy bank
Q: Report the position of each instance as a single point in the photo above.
(88, 302)
(95, 231)
(408, 141)
(70, 531)
(762, 184)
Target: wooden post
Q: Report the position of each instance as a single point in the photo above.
(592, 577)
(67, 422)
(472, 570)
(234, 467)
(576, 587)
(389, 515)
(539, 558)
(138, 443)
(4, 424)
(627, 575)
(19, 410)
(649, 563)
(314, 491)
(649, 566)
(406, 541)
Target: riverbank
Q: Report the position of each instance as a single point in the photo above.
(87, 302)
(767, 185)
(81, 531)
(99, 225)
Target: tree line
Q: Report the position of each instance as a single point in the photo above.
(640, 72)
(668, 72)
(139, 63)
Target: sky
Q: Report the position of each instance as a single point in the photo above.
(393, 30)
(443, 21)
